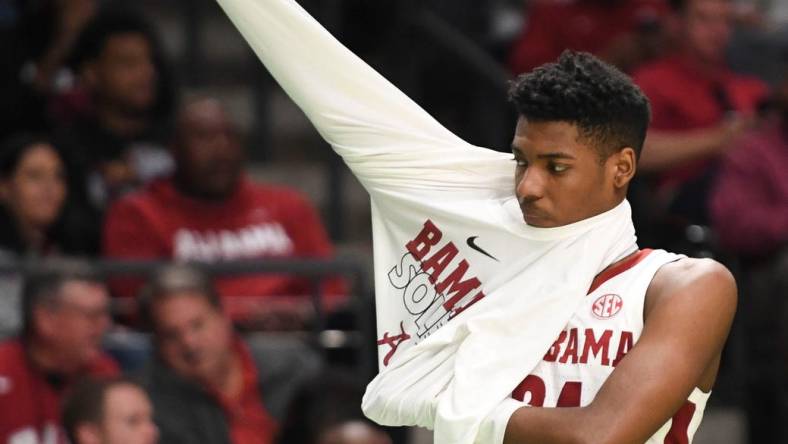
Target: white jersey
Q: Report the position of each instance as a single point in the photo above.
(605, 327)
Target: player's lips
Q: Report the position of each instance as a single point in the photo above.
(534, 216)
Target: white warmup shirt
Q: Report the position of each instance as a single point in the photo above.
(606, 325)
(468, 296)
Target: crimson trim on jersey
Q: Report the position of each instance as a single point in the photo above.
(623, 266)
(679, 429)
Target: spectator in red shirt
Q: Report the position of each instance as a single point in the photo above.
(623, 32)
(749, 211)
(113, 126)
(66, 312)
(749, 204)
(210, 211)
(699, 106)
(109, 411)
(208, 385)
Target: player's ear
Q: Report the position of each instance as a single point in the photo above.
(624, 164)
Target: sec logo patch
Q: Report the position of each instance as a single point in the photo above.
(607, 306)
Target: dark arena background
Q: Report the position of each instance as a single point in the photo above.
(175, 235)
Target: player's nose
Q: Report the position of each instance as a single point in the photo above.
(530, 186)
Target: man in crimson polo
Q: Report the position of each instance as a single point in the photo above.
(66, 313)
(207, 385)
(699, 106)
(210, 211)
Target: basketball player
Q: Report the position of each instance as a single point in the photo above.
(635, 361)
(580, 132)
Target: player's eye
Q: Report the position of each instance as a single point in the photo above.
(520, 162)
(558, 167)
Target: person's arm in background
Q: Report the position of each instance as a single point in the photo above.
(72, 16)
(665, 149)
(686, 323)
(28, 79)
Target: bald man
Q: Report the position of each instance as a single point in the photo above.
(210, 211)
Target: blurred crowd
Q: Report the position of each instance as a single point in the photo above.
(103, 156)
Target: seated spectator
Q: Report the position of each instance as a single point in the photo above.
(65, 312)
(749, 203)
(749, 210)
(32, 192)
(328, 411)
(120, 112)
(623, 32)
(207, 384)
(109, 411)
(699, 107)
(32, 197)
(210, 211)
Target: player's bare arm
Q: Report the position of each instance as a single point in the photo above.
(689, 309)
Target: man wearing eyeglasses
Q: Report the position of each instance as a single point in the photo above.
(66, 312)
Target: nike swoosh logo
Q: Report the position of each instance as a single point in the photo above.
(472, 243)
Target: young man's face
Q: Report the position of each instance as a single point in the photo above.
(559, 179)
(124, 74)
(128, 417)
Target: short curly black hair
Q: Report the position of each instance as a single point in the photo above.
(609, 110)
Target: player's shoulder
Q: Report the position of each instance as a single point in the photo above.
(700, 281)
(689, 270)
